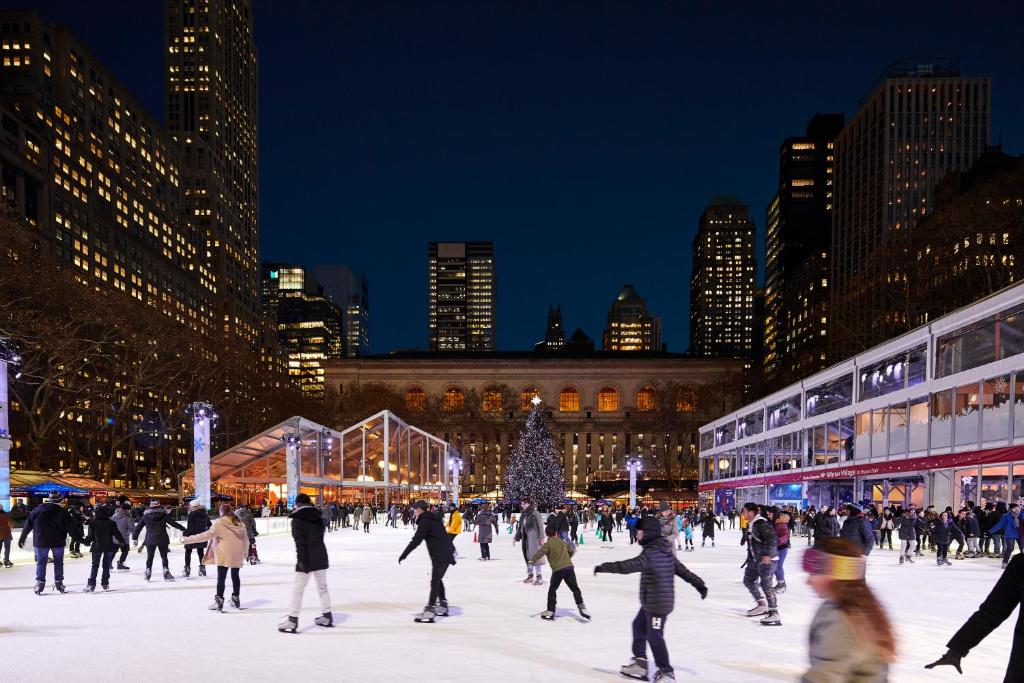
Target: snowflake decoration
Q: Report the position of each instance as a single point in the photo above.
(198, 444)
(1000, 386)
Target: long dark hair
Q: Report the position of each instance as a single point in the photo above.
(227, 511)
(856, 601)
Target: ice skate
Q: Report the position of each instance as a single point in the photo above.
(426, 616)
(289, 625)
(218, 604)
(40, 586)
(105, 586)
(664, 677)
(910, 559)
(149, 573)
(441, 608)
(90, 588)
(636, 669)
(202, 570)
(938, 561)
(168, 576)
(901, 559)
(583, 611)
(188, 571)
(547, 615)
(59, 587)
(780, 587)
(757, 610)
(539, 581)
(326, 620)
(772, 619)
(8, 564)
(958, 556)
(947, 562)
(121, 566)
(528, 579)
(235, 602)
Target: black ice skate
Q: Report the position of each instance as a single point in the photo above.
(149, 573)
(168, 576)
(218, 604)
(289, 625)
(771, 619)
(326, 620)
(8, 564)
(636, 669)
(121, 566)
(40, 587)
(547, 615)
(235, 602)
(90, 588)
(202, 570)
(188, 571)
(105, 586)
(59, 587)
(426, 616)
(441, 608)
(583, 611)
(664, 677)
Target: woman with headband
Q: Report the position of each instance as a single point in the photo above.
(851, 634)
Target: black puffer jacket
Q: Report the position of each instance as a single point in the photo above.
(308, 533)
(49, 525)
(856, 529)
(761, 540)
(430, 528)
(658, 567)
(103, 531)
(198, 522)
(942, 534)
(155, 520)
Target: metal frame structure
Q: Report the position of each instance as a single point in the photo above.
(379, 453)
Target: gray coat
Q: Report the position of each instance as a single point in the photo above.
(837, 654)
(485, 521)
(669, 528)
(124, 522)
(531, 532)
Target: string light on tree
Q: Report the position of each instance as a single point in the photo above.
(534, 467)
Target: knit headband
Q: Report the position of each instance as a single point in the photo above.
(839, 567)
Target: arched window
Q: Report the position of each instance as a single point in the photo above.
(645, 399)
(454, 400)
(415, 399)
(686, 400)
(494, 400)
(569, 400)
(607, 400)
(526, 396)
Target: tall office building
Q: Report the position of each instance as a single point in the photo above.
(798, 233)
(554, 336)
(462, 296)
(630, 326)
(212, 110)
(919, 122)
(94, 171)
(722, 284)
(351, 291)
(309, 323)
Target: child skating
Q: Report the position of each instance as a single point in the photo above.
(559, 554)
(688, 534)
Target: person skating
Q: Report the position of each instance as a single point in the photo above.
(971, 529)
(245, 515)
(1010, 527)
(858, 529)
(103, 533)
(76, 530)
(155, 520)
(49, 526)
(607, 525)
(197, 522)
(454, 526)
(851, 637)
(688, 534)
(229, 546)
(559, 555)
(486, 521)
(574, 524)
(783, 544)
(531, 532)
(310, 560)
(658, 568)
(708, 524)
(886, 525)
(122, 517)
(632, 519)
(366, 516)
(669, 527)
(943, 530)
(6, 536)
(906, 528)
(431, 529)
(762, 553)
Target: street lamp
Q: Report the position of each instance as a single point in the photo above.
(455, 464)
(203, 416)
(635, 466)
(8, 356)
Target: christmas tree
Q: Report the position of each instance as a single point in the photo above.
(534, 470)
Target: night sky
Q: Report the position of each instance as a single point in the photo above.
(584, 138)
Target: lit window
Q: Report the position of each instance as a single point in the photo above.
(569, 400)
(454, 400)
(526, 396)
(415, 399)
(607, 400)
(645, 399)
(493, 400)
(686, 400)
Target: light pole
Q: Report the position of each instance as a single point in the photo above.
(7, 357)
(291, 467)
(635, 466)
(203, 415)
(455, 464)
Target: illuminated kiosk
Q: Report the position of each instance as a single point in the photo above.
(331, 465)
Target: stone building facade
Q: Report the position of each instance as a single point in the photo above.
(601, 407)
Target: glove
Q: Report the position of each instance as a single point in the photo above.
(21, 544)
(400, 560)
(703, 590)
(949, 659)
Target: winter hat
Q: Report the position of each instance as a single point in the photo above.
(154, 504)
(664, 506)
(54, 497)
(853, 507)
(838, 567)
(303, 499)
(421, 504)
(196, 503)
(651, 528)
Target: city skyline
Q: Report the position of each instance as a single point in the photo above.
(616, 190)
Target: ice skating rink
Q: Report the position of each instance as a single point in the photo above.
(163, 631)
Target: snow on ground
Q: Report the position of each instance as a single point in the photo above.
(164, 630)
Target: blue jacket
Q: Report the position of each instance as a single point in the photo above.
(1008, 524)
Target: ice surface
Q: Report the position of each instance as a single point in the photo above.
(163, 631)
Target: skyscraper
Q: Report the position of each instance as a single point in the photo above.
(722, 282)
(798, 233)
(309, 323)
(212, 111)
(351, 291)
(462, 296)
(554, 336)
(919, 122)
(630, 326)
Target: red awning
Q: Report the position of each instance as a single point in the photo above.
(988, 456)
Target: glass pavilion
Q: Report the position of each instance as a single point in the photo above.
(380, 459)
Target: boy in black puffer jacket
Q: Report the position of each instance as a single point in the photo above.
(102, 533)
(659, 567)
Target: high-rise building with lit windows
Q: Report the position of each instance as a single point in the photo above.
(630, 326)
(212, 111)
(94, 172)
(462, 296)
(723, 281)
(921, 120)
(798, 232)
(351, 291)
